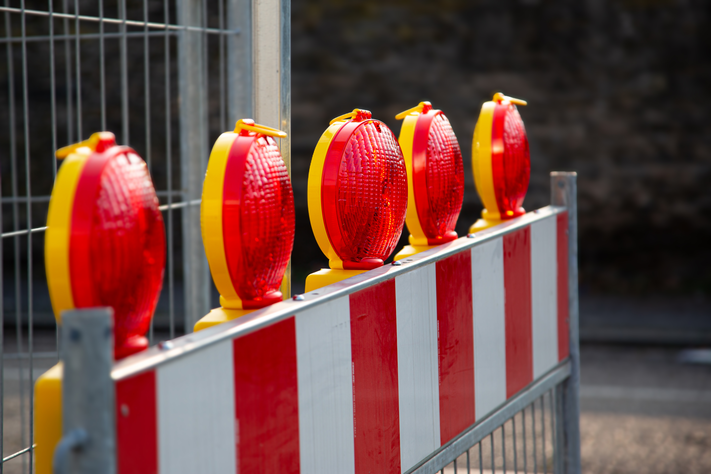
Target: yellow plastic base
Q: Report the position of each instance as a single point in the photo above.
(410, 250)
(219, 316)
(328, 276)
(483, 224)
(48, 417)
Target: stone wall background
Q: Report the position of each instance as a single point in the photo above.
(618, 91)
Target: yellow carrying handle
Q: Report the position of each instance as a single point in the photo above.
(350, 115)
(499, 97)
(422, 107)
(91, 144)
(249, 125)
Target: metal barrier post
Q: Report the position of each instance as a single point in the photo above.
(88, 445)
(271, 60)
(239, 61)
(192, 83)
(564, 193)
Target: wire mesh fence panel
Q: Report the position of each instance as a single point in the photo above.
(69, 68)
(510, 446)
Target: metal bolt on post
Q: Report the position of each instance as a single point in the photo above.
(88, 445)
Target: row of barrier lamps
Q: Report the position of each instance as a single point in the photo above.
(105, 242)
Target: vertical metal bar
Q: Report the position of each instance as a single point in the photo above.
(272, 78)
(560, 430)
(513, 423)
(468, 464)
(239, 61)
(68, 76)
(102, 65)
(123, 46)
(221, 39)
(455, 465)
(2, 348)
(78, 68)
(493, 459)
(28, 192)
(87, 388)
(169, 172)
(481, 460)
(543, 433)
(53, 93)
(52, 86)
(533, 427)
(147, 84)
(193, 158)
(503, 445)
(525, 453)
(564, 193)
(147, 106)
(16, 226)
(285, 112)
(553, 432)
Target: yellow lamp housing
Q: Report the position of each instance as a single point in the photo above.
(357, 196)
(247, 220)
(435, 177)
(500, 161)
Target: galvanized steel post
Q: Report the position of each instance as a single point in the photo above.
(271, 80)
(564, 193)
(192, 84)
(239, 61)
(88, 445)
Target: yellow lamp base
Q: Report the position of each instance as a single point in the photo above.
(48, 417)
(483, 224)
(328, 276)
(410, 250)
(219, 316)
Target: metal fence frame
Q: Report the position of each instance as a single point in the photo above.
(253, 49)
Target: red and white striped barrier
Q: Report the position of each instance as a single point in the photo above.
(373, 374)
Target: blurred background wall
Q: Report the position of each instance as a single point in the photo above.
(618, 90)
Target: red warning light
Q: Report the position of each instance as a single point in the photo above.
(106, 240)
(248, 216)
(357, 192)
(501, 160)
(435, 172)
(511, 161)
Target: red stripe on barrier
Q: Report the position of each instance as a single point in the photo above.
(137, 425)
(455, 342)
(376, 416)
(562, 260)
(517, 289)
(266, 400)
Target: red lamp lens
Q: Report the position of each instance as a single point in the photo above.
(258, 249)
(511, 168)
(370, 196)
(445, 180)
(127, 249)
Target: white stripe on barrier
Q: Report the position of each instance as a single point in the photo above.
(544, 303)
(489, 326)
(194, 434)
(416, 303)
(323, 347)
